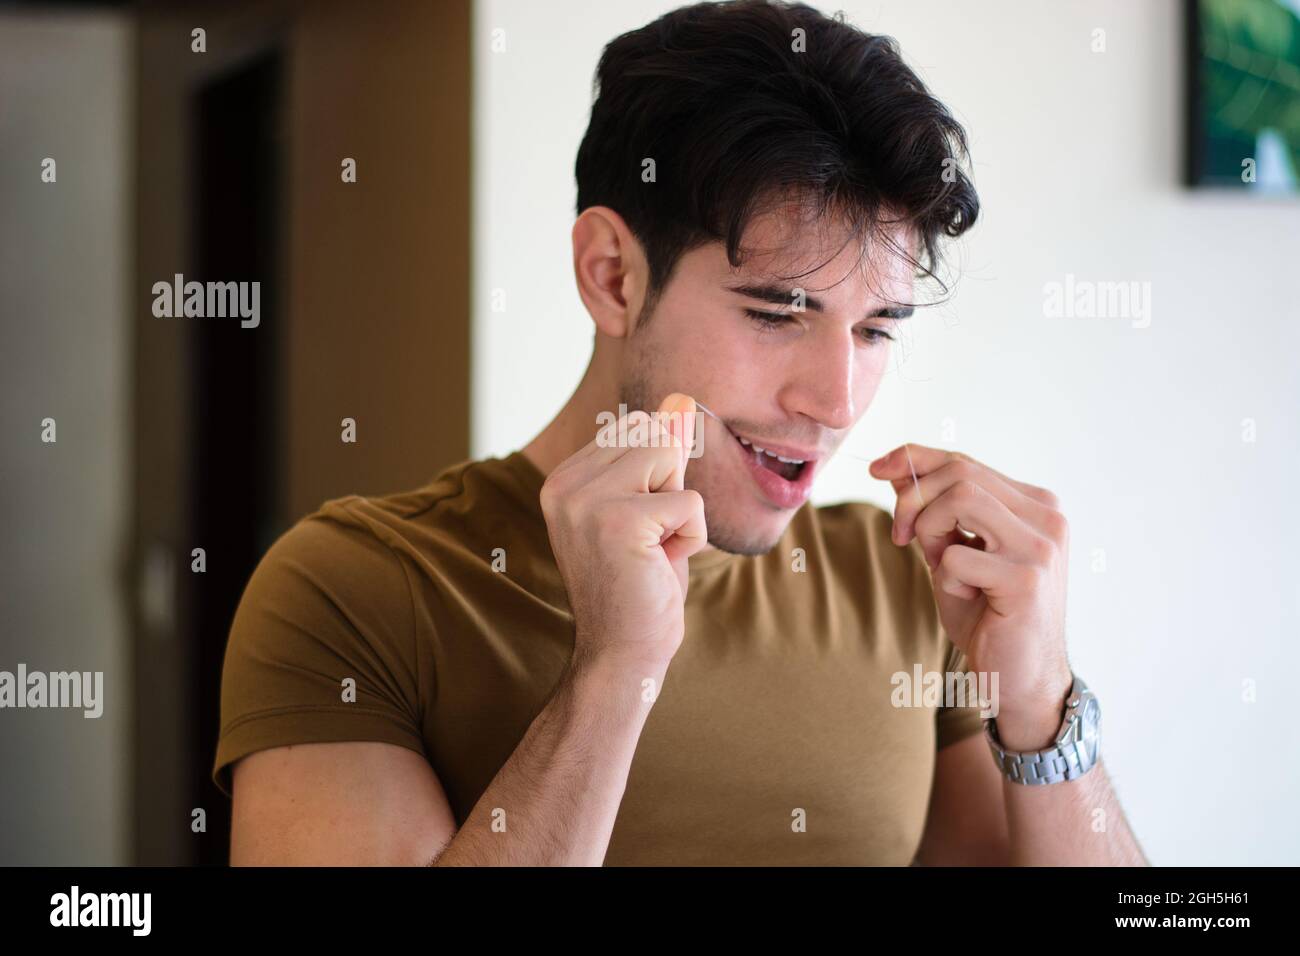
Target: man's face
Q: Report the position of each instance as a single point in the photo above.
(794, 384)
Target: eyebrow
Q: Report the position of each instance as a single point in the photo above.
(780, 295)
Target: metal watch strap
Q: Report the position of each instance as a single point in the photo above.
(1072, 754)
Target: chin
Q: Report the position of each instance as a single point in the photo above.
(738, 523)
(742, 547)
(754, 539)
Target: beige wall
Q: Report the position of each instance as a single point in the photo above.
(379, 281)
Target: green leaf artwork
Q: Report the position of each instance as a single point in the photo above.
(1246, 99)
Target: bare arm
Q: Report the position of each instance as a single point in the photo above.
(554, 801)
(1073, 823)
(979, 818)
(967, 821)
(337, 804)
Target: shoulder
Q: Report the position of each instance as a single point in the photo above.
(328, 581)
(363, 547)
(365, 526)
(342, 541)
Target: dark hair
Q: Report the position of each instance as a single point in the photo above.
(734, 117)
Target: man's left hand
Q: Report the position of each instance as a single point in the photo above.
(998, 552)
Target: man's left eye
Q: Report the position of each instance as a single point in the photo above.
(873, 335)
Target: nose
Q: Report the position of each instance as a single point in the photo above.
(821, 386)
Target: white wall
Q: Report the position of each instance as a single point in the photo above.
(65, 251)
(1077, 160)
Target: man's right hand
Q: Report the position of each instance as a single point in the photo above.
(622, 528)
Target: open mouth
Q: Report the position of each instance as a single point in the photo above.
(783, 475)
(788, 468)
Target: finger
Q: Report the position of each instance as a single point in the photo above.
(635, 430)
(935, 483)
(893, 465)
(644, 470)
(610, 443)
(957, 536)
(966, 573)
(677, 419)
(675, 520)
(969, 506)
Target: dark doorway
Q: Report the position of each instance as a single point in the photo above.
(234, 465)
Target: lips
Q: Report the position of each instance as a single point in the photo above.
(783, 473)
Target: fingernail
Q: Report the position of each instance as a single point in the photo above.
(676, 407)
(688, 422)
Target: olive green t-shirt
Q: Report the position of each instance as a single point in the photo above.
(775, 738)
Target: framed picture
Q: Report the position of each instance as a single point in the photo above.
(1244, 95)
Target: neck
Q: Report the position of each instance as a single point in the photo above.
(574, 426)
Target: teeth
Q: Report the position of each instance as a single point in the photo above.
(770, 454)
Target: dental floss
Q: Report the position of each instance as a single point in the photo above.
(704, 408)
(902, 412)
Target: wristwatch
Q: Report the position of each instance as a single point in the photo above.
(1071, 755)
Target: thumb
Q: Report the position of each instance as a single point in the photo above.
(677, 412)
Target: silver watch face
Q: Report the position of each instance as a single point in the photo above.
(1091, 716)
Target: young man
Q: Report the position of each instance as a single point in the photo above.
(607, 651)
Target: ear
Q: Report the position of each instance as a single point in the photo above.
(610, 268)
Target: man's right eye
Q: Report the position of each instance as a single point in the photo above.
(768, 320)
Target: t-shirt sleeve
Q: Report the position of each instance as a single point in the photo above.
(322, 647)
